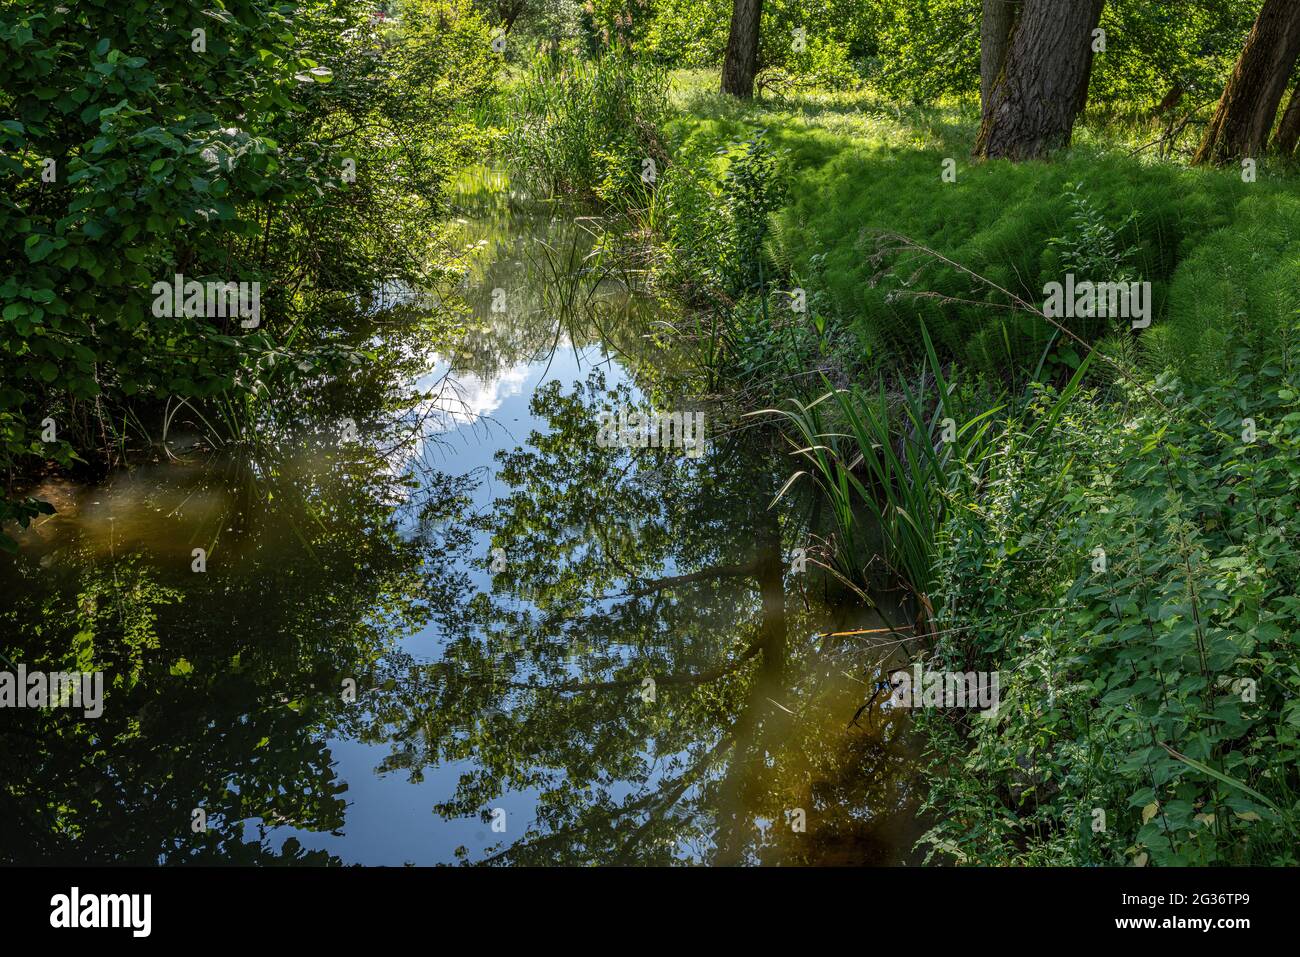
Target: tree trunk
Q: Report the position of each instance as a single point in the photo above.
(1288, 134)
(741, 62)
(509, 11)
(1245, 114)
(995, 37)
(1044, 82)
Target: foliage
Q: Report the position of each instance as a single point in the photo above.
(931, 48)
(1157, 682)
(208, 141)
(1153, 49)
(584, 128)
(716, 213)
(753, 187)
(883, 479)
(1091, 246)
(675, 33)
(1240, 285)
(685, 33)
(1006, 224)
(892, 468)
(1100, 670)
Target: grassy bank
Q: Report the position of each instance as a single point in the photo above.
(1222, 255)
(1124, 555)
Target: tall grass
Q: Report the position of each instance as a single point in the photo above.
(587, 128)
(891, 466)
(882, 466)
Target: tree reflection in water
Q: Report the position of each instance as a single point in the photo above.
(225, 689)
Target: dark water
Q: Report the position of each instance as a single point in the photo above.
(499, 588)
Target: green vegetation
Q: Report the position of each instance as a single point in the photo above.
(858, 240)
(1132, 576)
(864, 178)
(303, 148)
(590, 129)
(1157, 684)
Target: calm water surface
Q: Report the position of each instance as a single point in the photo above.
(562, 653)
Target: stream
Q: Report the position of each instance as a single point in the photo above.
(439, 620)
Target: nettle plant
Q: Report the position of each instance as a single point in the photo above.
(753, 188)
(716, 216)
(1136, 587)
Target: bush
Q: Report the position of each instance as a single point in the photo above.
(1133, 581)
(144, 139)
(717, 212)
